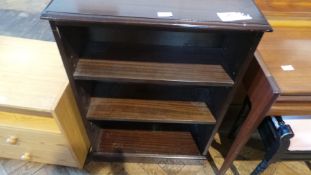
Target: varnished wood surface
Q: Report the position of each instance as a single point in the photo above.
(288, 46)
(68, 118)
(146, 143)
(243, 166)
(43, 146)
(25, 138)
(149, 111)
(30, 81)
(40, 154)
(33, 86)
(186, 14)
(261, 95)
(168, 73)
(294, 98)
(286, 12)
(41, 124)
(290, 108)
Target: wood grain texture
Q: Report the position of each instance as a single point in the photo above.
(25, 138)
(38, 123)
(286, 13)
(195, 14)
(33, 86)
(288, 46)
(293, 98)
(290, 108)
(39, 154)
(43, 146)
(257, 84)
(149, 111)
(69, 120)
(25, 84)
(186, 74)
(75, 25)
(146, 143)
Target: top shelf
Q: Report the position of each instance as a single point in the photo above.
(194, 14)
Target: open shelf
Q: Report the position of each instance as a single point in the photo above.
(148, 52)
(142, 72)
(153, 91)
(137, 110)
(146, 144)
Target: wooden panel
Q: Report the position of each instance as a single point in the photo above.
(45, 147)
(194, 14)
(288, 46)
(286, 12)
(32, 77)
(149, 111)
(188, 74)
(69, 119)
(290, 108)
(294, 98)
(146, 144)
(32, 138)
(262, 93)
(39, 154)
(30, 122)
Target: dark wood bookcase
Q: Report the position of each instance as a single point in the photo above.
(149, 86)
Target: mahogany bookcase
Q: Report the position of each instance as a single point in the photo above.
(153, 79)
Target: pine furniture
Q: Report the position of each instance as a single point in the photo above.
(39, 119)
(153, 79)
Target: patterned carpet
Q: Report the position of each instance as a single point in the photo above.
(21, 18)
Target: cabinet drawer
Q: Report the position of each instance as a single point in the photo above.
(45, 147)
(31, 138)
(58, 156)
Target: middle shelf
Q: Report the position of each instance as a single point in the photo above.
(152, 72)
(139, 110)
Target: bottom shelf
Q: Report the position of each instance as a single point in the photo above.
(118, 143)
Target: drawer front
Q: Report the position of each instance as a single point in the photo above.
(42, 155)
(30, 138)
(32, 145)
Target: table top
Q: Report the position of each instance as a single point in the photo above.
(32, 77)
(173, 13)
(286, 12)
(289, 47)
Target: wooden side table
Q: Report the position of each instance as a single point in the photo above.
(279, 83)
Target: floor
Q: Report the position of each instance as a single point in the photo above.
(244, 165)
(20, 18)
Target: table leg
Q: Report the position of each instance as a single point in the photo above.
(262, 96)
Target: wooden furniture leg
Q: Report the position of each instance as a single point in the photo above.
(262, 95)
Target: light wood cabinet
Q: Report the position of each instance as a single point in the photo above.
(39, 120)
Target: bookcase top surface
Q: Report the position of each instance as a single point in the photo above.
(202, 14)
